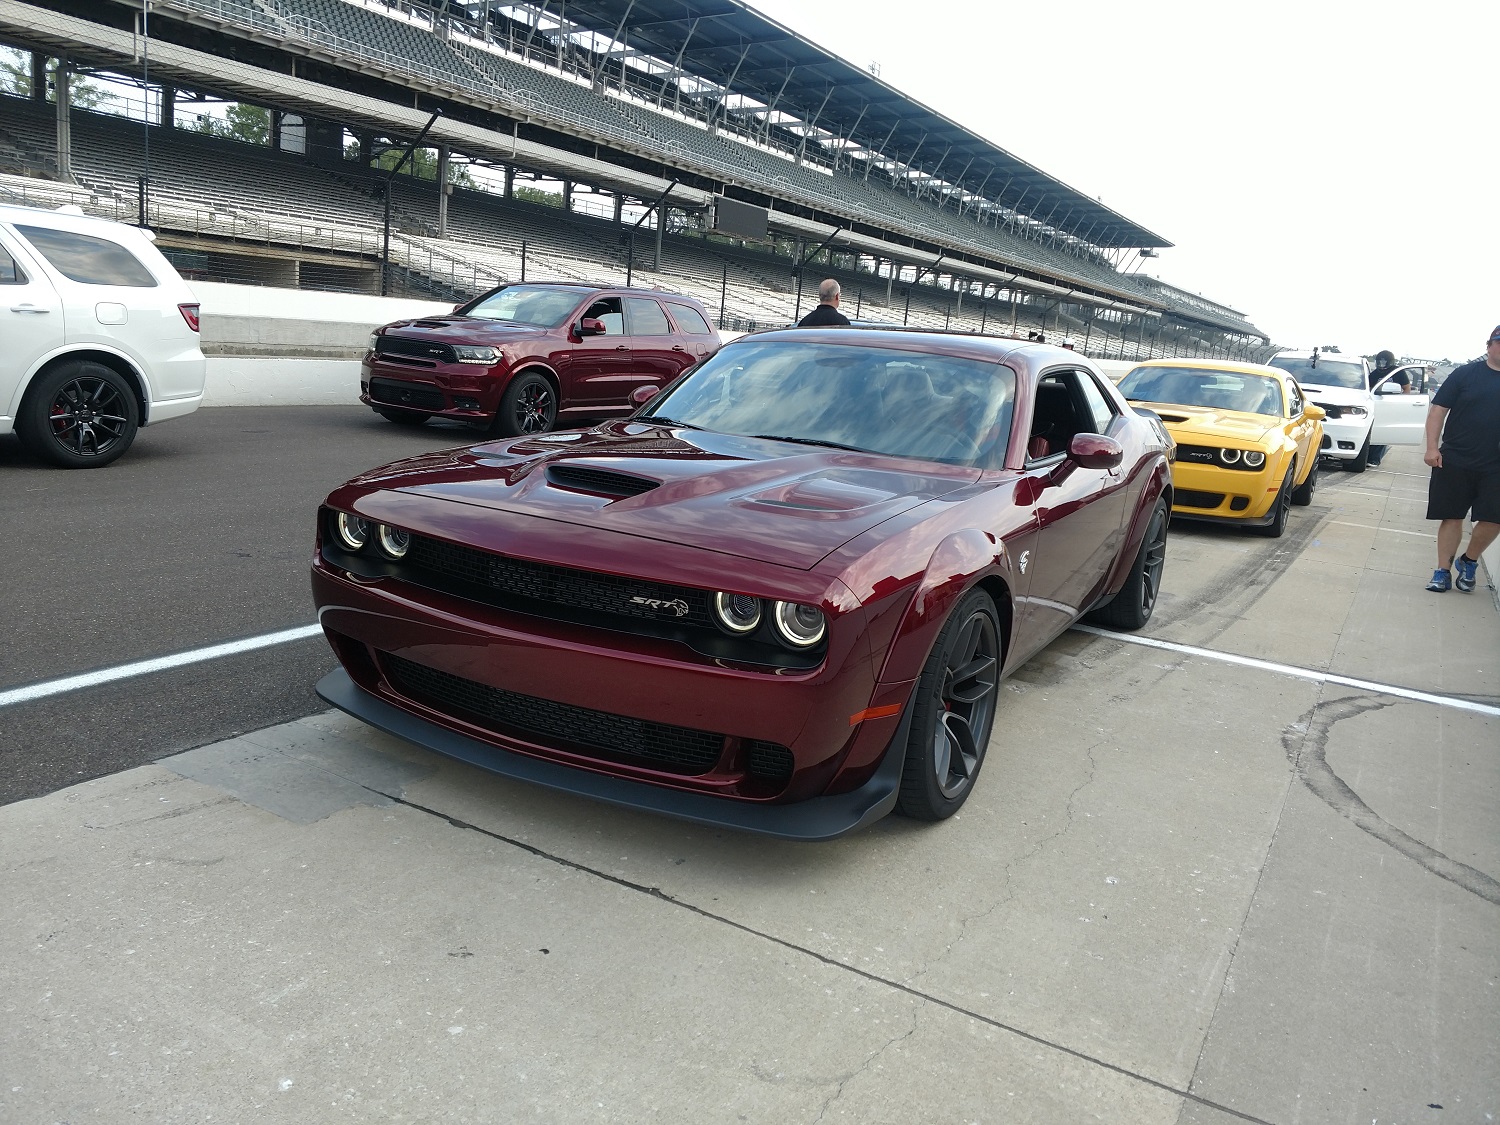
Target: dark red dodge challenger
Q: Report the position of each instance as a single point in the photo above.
(780, 597)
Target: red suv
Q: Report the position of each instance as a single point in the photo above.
(522, 357)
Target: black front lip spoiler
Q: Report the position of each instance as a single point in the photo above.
(818, 818)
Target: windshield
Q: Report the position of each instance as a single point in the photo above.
(527, 304)
(1194, 386)
(878, 400)
(1327, 373)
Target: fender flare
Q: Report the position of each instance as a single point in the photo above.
(90, 350)
(961, 561)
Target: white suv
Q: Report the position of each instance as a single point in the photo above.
(100, 335)
(1358, 415)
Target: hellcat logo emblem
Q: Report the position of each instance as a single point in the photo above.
(1023, 560)
(676, 607)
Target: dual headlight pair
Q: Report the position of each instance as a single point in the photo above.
(464, 353)
(797, 625)
(354, 533)
(1241, 458)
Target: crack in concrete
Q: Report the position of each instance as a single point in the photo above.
(1306, 744)
(870, 1061)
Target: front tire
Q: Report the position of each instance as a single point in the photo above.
(1302, 495)
(1359, 464)
(529, 406)
(953, 712)
(1280, 508)
(1131, 608)
(80, 415)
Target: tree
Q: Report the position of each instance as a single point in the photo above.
(537, 195)
(15, 78)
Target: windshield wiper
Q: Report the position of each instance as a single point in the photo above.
(810, 441)
(656, 420)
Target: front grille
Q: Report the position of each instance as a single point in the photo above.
(675, 749)
(1327, 442)
(420, 349)
(1198, 454)
(1192, 498)
(505, 581)
(1330, 409)
(769, 761)
(602, 481)
(396, 392)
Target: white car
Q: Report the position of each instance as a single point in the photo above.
(1358, 416)
(100, 335)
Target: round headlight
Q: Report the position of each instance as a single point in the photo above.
(737, 613)
(1254, 458)
(394, 543)
(1229, 456)
(352, 532)
(800, 626)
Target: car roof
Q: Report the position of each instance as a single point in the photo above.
(1025, 357)
(586, 287)
(62, 220)
(1233, 365)
(1342, 357)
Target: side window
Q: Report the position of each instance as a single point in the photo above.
(10, 272)
(646, 317)
(88, 260)
(690, 319)
(1294, 399)
(1099, 406)
(607, 310)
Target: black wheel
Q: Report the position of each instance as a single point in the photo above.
(403, 417)
(1280, 507)
(1131, 607)
(80, 415)
(1359, 463)
(529, 406)
(1302, 495)
(953, 711)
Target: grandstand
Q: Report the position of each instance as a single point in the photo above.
(654, 109)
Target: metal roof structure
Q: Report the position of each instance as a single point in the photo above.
(729, 43)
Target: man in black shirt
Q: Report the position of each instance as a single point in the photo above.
(827, 314)
(1465, 413)
(1385, 363)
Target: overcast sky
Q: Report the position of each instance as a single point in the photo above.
(1332, 170)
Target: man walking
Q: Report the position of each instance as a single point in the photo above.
(1465, 414)
(827, 314)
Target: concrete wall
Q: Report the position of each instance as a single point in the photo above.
(290, 347)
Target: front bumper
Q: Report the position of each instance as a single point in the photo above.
(819, 818)
(1343, 438)
(465, 392)
(1214, 493)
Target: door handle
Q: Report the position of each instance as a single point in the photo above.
(622, 347)
(28, 308)
(678, 348)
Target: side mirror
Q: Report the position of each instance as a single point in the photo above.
(1390, 387)
(590, 327)
(644, 394)
(1095, 451)
(1314, 413)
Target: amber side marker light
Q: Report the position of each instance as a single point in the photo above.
(874, 713)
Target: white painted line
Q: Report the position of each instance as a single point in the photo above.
(1300, 673)
(1392, 530)
(159, 664)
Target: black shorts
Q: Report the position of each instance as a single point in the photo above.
(1453, 493)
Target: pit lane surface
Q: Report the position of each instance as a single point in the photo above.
(1183, 890)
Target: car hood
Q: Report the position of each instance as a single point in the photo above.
(1339, 396)
(771, 501)
(1185, 422)
(463, 330)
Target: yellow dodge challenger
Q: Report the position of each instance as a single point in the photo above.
(1247, 438)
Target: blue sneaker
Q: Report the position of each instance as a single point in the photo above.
(1441, 582)
(1468, 572)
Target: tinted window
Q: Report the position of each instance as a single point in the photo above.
(1196, 386)
(606, 310)
(1098, 404)
(690, 319)
(10, 273)
(903, 403)
(526, 304)
(1295, 394)
(1323, 372)
(86, 259)
(646, 317)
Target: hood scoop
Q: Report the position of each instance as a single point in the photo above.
(600, 482)
(1165, 417)
(430, 324)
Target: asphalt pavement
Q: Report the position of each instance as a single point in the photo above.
(201, 533)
